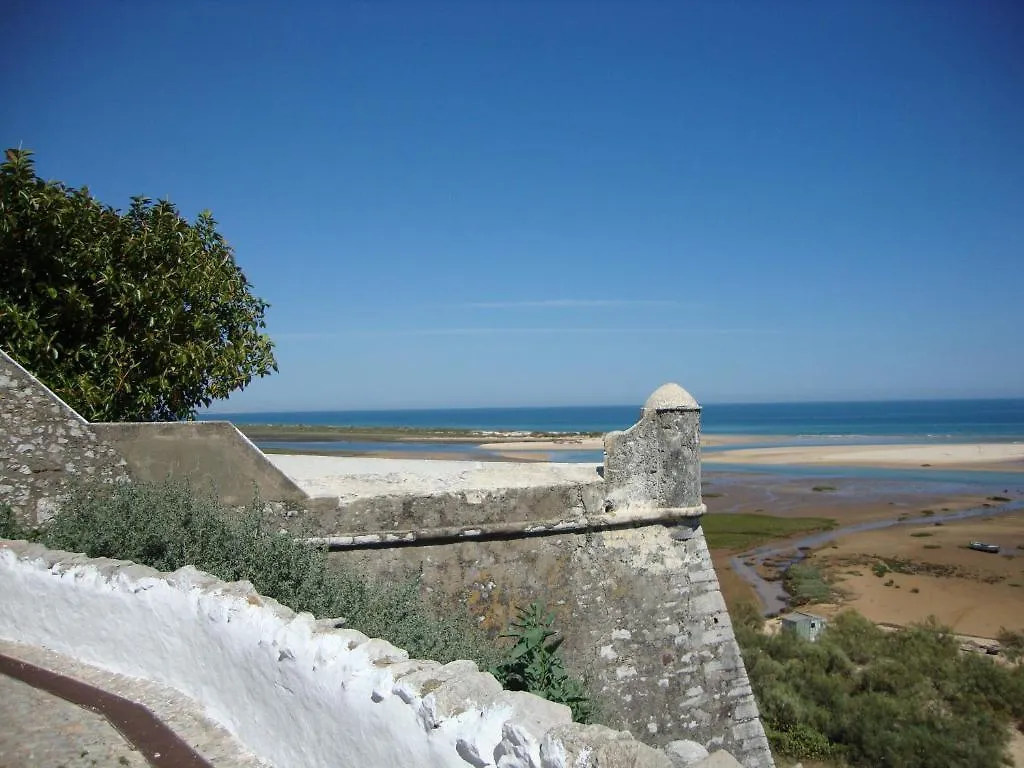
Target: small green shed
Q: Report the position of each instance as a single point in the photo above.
(808, 625)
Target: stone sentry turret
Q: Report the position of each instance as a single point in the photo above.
(655, 464)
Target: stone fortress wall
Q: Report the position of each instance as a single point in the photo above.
(43, 443)
(621, 559)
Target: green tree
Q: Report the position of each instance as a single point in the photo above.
(135, 316)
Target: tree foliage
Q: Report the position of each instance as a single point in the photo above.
(127, 316)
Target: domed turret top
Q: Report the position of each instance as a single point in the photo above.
(671, 397)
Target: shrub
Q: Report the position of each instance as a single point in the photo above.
(167, 526)
(534, 663)
(864, 697)
(12, 528)
(1012, 643)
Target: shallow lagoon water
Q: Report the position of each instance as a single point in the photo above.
(328, 447)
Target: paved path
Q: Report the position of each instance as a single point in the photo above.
(40, 730)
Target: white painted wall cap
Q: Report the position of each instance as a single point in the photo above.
(671, 397)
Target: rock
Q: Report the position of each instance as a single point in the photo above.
(684, 753)
(595, 746)
(719, 759)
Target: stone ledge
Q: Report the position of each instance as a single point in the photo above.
(633, 516)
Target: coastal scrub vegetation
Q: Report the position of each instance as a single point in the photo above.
(134, 316)
(167, 526)
(862, 696)
(745, 530)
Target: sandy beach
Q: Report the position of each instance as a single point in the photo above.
(1006, 457)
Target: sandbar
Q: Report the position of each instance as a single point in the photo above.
(1006, 457)
(558, 444)
(580, 443)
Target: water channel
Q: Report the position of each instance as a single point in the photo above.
(773, 596)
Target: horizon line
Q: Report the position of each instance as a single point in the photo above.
(987, 398)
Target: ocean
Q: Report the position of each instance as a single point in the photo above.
(961, 420)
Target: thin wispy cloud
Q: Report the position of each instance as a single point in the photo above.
(399, 332)
(568, 303)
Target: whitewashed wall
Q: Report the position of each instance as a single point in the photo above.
(294, 692)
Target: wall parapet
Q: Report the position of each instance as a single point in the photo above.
(295, 691)
(625, 518)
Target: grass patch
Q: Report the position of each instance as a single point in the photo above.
(998, 498)
(744, 531)
(712, 495)
(806, 584)
(921, 534)
(933, 546)
(825, 488)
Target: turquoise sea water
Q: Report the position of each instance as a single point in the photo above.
(962, 420)
(768, 424)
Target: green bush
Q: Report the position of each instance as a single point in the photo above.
(9, 526)
(167, 526)
(865, 697)
(12, 528)
(534, 664)
(1012, 644)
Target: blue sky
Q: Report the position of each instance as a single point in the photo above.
(546, 203)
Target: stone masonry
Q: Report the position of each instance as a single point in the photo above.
(626, 570)
(43, 443)
(622, 559)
